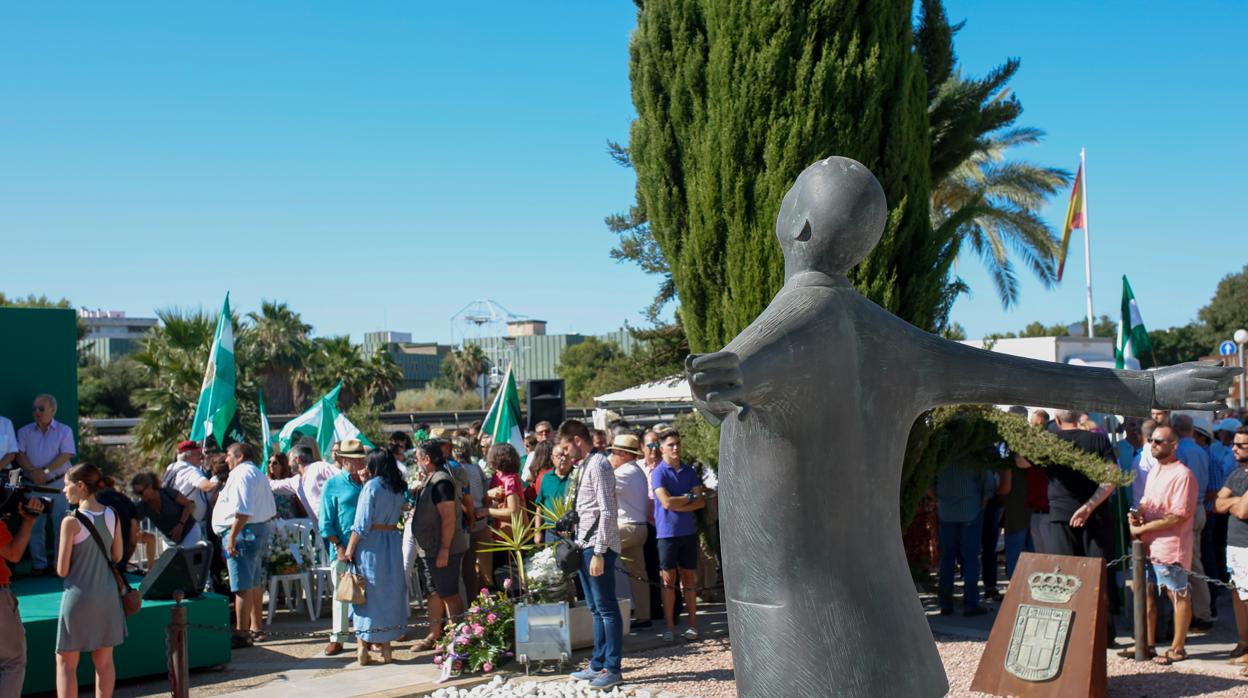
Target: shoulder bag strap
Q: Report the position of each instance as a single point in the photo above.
(122, 585)
(576, 486)
(592, 530)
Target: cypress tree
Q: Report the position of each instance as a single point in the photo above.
(734, 98)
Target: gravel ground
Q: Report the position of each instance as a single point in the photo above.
(705, 669)
(1127, 678)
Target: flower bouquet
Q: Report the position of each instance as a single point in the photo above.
(546, 581)
(482, 639)
(285, 555)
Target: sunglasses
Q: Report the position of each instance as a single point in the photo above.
(39, 408)
(652, 446)
(138, 492)
(1159, 441)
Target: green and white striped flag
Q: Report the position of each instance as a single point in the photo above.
(1132, 337)
(216, 413)
(266, 434)
(502, 422)
(322, 422)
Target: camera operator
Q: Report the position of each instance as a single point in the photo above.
(8, 444)
(13, 642)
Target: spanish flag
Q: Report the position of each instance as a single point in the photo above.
(1076, 218)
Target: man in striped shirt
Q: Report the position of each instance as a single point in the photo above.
(598, 531)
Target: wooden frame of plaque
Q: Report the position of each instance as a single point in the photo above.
(1050, 636)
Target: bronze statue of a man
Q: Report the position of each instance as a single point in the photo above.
(816, 399)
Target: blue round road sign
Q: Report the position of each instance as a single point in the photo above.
(1227, 348)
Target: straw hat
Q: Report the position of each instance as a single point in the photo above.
(352, 448)
(626, 443)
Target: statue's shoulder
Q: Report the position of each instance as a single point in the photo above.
(793, 312)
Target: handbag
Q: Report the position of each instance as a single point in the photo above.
(131, 602)
(351, 588)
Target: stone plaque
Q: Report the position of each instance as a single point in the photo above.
(1050, 634)
(1038, 642)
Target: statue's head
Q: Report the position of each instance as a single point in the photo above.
(831, 218)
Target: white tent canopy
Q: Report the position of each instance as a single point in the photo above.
(665, 391)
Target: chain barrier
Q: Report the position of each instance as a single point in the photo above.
(519, 598)
(1230, 586)
(1195, 575)
(1119, 561)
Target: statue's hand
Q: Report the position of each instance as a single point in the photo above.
(1198, 385)
(716, 382)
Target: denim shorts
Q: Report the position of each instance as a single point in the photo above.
(1170, 577)
(247, 566)
(1237, 562)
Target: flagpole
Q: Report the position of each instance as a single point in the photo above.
(1087, 247)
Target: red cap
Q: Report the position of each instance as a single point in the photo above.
(189, 446)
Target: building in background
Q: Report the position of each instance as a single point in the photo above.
(110, 334)
(381, 338)
(536, 354)
(421, 362)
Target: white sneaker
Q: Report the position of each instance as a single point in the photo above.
(667, 636)
(690, 634)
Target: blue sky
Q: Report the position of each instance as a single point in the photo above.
(384, 164)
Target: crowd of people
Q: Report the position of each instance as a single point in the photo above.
(428, 503)
(1187, 503)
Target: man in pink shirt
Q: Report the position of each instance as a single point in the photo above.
(1164, 523)
(308, 482)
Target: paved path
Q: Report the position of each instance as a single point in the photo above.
(415, 676)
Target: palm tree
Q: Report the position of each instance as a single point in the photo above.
(281, 350)
(990, 205)
(384, 375)
(336, 359)
(993, 205)
(175, 354)
(468, 363)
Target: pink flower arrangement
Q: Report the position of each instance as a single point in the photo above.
(482, 638)
(507, 584)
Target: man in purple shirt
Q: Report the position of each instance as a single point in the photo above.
(677, 494)
(44, 448)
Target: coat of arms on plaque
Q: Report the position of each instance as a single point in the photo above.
(1038, 640)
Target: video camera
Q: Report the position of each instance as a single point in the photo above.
(566, 526)
(14, 493)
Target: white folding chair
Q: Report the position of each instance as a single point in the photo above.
(322, 573)
(300, 581)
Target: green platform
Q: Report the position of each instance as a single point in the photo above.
(142, 654)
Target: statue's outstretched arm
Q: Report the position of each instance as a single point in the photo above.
(743, 375)
(953, 373)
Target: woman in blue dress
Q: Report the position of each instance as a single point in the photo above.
(376, 551)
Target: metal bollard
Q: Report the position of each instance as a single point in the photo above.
(1139, 583)
(179, 666)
